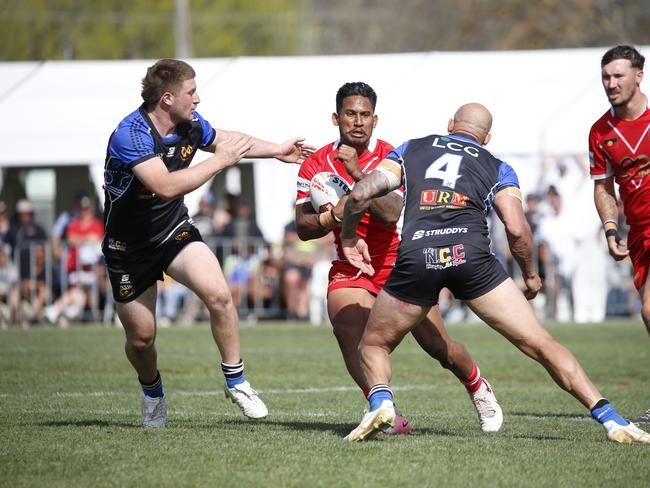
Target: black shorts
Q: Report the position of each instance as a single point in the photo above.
(466, 269)
(132, 273)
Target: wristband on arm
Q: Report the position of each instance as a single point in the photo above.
(326, 223)
(335, 218)
(613, 233)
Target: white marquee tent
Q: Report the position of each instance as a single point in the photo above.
(543, 102)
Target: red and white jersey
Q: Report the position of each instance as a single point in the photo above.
(382, 240)
(621, 148)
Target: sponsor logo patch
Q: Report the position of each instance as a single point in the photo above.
(116, 245)
(182, 235)
(126, 291)
(444, 257)
(419, 234)
(433, 199)
(186, 152)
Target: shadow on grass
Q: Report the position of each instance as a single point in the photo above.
(553, 415)
(89, 423)
(338, 429)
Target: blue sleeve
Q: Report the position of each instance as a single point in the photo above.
(507, 177)
(397, 154)
(132, 143)
(208, 131)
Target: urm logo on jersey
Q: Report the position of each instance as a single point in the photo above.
(432, 199)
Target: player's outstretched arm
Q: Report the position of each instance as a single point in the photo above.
(507, 204)
(170, 185)
(605, 200)
(292, 151)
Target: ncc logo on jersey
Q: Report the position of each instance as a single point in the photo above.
(439, 258)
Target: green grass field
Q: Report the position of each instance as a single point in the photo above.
(69, 413)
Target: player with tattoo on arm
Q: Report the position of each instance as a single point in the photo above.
(451, 181)
(350, 295)
(619, 152)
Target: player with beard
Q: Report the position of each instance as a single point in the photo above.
(351, 294)
(619, 152)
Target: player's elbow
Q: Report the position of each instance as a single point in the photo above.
(167, 194)
(518, 230)
(166, 190)
(357, 198)
(303, 233)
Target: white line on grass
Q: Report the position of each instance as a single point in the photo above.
(276, 391)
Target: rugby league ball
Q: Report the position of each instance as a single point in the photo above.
(326, 189)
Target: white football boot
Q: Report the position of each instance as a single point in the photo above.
(626, 434)
(154, 411)
(489, 411)
(247, 400)
(374, 422)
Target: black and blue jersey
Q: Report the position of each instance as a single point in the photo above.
(449, 186)
(450, 183)
(136, 218)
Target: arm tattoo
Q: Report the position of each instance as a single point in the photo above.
(373, 185)
(605, 200)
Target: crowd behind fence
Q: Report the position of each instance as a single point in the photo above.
(59, 277)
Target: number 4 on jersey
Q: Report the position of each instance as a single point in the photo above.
(445, 168)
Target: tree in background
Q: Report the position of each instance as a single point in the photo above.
(119, 29)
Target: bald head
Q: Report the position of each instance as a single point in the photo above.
(474, 120)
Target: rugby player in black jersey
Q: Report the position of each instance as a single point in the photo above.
(451, 182)
(148, 230)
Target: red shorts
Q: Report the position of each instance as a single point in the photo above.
(638, 243)
(344, 275)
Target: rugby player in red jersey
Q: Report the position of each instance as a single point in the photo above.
(351, 294)
(619, 151)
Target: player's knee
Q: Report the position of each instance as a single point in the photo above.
(347, 336)
(538, 347)
(645, 313)
(141, 342)
(218, 301)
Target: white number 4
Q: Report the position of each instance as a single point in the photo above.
(445, 168)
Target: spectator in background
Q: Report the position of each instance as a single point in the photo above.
(243, 224)
(27, 239)
(557, 253)
(241, 264)
(4, 221)
(298, 258)
(533, 212)
(33, 291)
(203, 219)
(58, 234)
(84, 236)
(24, 231)
(8, 288)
